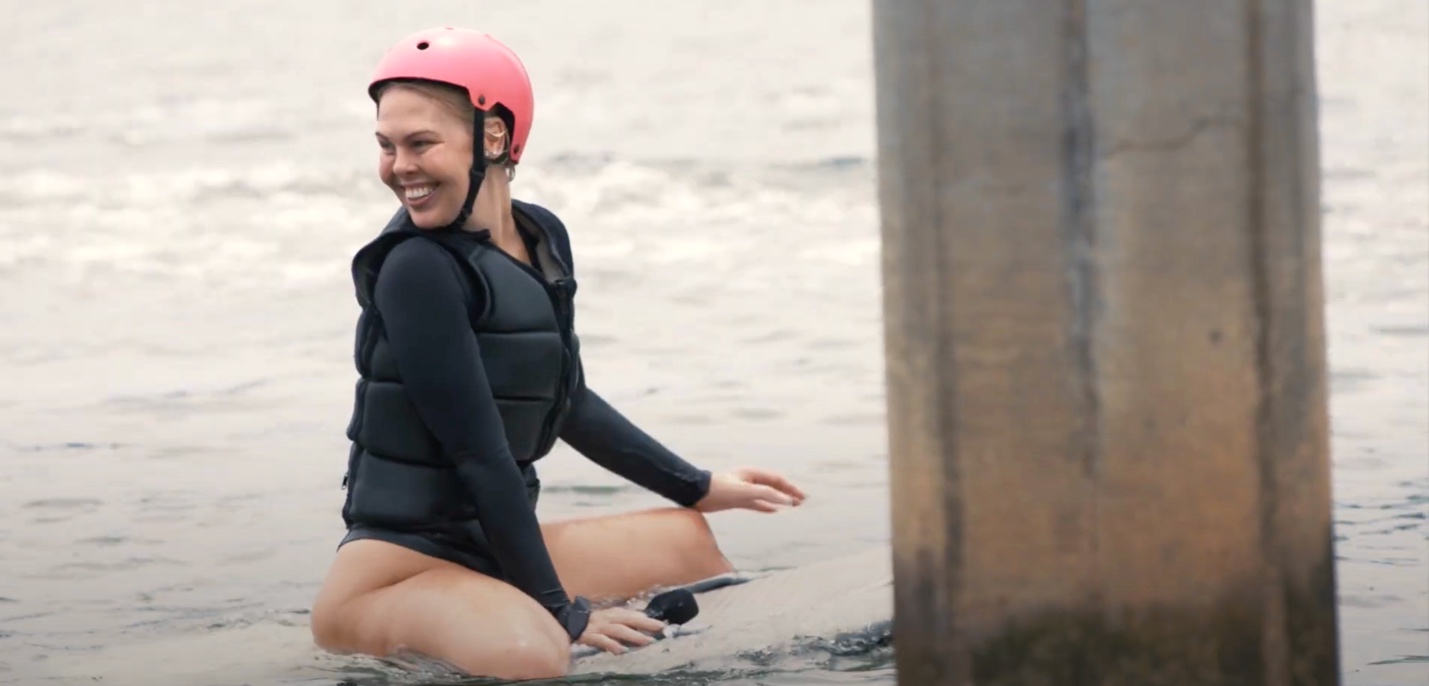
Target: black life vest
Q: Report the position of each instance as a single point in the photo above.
(398, 475)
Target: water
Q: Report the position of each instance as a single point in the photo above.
(185, 184)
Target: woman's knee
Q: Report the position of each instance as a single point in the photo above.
(325, 624)
(696, 523)
(360, 569)
(541, 645)
(694, 541)
(524, 648)
(342, 625)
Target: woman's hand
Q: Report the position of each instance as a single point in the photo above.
(610, 627)
(748, 488)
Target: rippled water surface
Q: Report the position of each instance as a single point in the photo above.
(184, 185)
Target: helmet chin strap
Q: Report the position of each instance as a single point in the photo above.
(474, 180)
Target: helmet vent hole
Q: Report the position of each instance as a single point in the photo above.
(481, 99)
(423, 45)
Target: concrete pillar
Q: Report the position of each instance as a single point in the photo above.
(1105, 349)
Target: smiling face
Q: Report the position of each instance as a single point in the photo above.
(425, 137)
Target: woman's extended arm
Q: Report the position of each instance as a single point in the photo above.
(603, 435)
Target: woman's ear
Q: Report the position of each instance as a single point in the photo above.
(496, 137)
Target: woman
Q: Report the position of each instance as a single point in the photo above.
(470, 371)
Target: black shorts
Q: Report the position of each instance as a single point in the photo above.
(464, 544)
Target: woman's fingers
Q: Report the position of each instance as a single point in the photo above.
(639, 621)
(776, 481)
(627, 635)
(788, 486)
(763, 506)
(773, 495)
(609, 645)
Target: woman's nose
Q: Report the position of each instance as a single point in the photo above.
(404, 161)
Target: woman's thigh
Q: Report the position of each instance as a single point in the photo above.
(384, 600)
(620, 556)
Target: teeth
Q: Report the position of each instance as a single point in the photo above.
(418, 192)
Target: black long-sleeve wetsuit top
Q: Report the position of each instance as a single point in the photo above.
(427, 305)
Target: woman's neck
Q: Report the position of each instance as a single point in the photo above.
(492, 209)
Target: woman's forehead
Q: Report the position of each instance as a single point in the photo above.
(409, 110)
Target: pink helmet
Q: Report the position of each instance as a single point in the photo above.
(489, 71)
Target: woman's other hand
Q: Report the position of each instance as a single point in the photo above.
(613, 628)
(749, 488)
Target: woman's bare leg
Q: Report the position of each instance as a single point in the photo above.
(620, 556)
(381, 600)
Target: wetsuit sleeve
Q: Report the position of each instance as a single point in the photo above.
(603, 435)
(420, 298)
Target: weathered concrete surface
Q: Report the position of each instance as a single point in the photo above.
(783, 611)
(1105, 348)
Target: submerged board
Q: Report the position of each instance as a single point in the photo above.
(837, 601)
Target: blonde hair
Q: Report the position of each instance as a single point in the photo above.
(458, 103)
